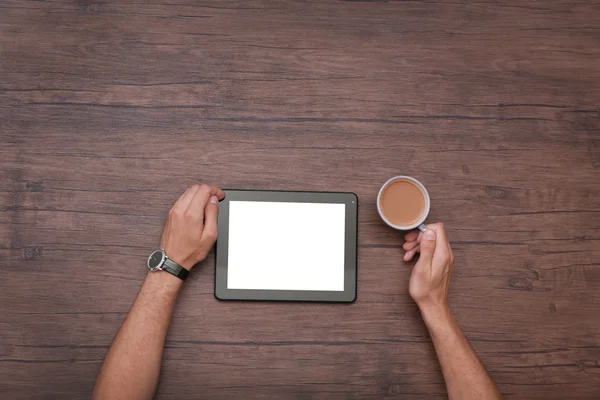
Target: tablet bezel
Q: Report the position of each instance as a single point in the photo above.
(348, 295)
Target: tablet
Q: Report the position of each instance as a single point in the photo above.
(287, 246)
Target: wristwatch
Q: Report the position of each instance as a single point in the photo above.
(158, 261)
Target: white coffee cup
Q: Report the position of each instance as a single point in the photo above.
(420, 223)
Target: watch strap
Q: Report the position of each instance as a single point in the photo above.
(173, 268)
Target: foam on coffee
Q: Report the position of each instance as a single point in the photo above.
(402, 203)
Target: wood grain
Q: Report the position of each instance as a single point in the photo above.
(109, 110)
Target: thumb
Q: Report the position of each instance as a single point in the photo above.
(211, 212)
(427, 246)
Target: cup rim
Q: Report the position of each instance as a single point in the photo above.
(417, 184)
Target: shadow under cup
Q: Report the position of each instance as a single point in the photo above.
(403, 203)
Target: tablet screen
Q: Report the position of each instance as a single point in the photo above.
(286, 246)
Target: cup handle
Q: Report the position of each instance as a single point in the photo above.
(422, 227)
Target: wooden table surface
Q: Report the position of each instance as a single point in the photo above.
(109, 110)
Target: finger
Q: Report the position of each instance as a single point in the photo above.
(440, 231)
(443, 251)
(186, 198)
(211, 230)
(419, 236)
(196, 206)
(410, 254)
(201, 197)
(428, 246)
(443, 244)
(410, 245)
(216, 191)
(411, 236)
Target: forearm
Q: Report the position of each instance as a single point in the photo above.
(132, 365)
(466, 377)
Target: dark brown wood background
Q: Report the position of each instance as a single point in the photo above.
(109, 110)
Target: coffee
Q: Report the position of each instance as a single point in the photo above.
(402, 203)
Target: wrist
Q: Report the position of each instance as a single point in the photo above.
(185, 263)
(163, 282)
(435, 314)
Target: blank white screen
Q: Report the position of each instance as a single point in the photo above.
(286, 246)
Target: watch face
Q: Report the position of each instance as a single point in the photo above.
(155, 260)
